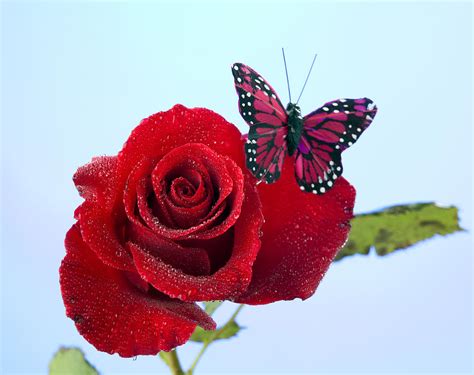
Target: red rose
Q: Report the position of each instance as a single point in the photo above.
(175, 218)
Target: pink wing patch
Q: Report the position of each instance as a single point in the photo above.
(263, 111)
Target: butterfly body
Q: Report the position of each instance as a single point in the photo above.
(295, 127)
(315, 142)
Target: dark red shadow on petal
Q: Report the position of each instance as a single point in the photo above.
(219, 249)
(301, 236)
(190, 260)
(114, 315)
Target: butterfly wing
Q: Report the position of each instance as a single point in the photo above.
(263, 111)
(327, 132)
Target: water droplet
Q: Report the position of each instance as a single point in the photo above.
(343, 225)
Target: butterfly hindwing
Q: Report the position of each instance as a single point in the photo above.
(327, 132)
(317, 165)
(263, 111)
(265, 151)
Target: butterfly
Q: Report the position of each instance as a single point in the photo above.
(315, 141)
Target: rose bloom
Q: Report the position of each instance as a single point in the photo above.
(175, 218)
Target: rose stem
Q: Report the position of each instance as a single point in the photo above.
(211, 339)
(172, 360)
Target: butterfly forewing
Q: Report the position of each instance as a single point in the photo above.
(327, 132)
(261, 108)
(340, 122)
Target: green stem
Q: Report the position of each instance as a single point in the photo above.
(211, 339)
(172, 360)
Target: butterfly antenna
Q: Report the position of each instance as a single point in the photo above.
(286, 71)
(307, 77)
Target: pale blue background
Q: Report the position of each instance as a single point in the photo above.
(76, 79)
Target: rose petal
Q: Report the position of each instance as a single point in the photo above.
(102, 232)
(229, 281)
(97, 179)
(227, 178)
(137, 177)
(115, 316)
(102, 181)
(164, 131)
(183, 161)
(100, 224)
(196, 184)
(301, 236)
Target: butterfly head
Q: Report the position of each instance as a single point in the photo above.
(293, 110)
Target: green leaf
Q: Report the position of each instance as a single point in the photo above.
(227, 331)
(399, 227)
(212, 306)
(70, 361)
